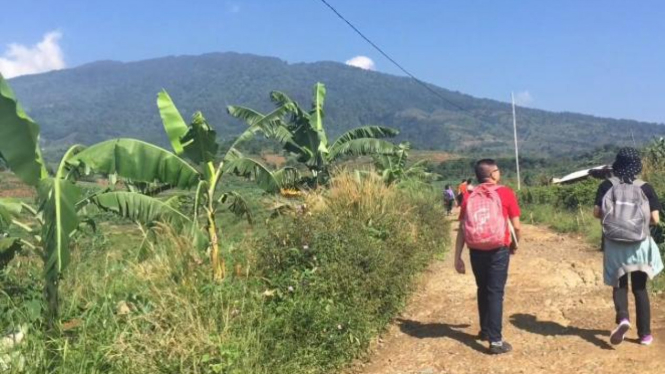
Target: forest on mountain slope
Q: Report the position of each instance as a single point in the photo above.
(107, 99)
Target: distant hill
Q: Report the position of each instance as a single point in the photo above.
(108, 99)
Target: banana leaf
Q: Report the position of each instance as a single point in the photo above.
(58, 198)
(174, 125)
(138, 161)
(139, 208)
(19, 139)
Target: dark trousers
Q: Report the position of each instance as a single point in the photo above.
(449, 206)
(490, 269)
(638, 279)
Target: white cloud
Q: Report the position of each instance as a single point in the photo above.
(362, 62)
(44, 56)
(523, 98)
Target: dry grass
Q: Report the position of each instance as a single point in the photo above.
(365, 196)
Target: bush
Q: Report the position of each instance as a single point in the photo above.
(306, 294)
(343, 270)
(570, 196)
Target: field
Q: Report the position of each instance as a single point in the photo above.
(290, 254)
(304, 293)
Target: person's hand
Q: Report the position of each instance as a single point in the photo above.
(459, 266)
(513, 247)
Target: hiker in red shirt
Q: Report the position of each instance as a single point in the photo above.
(461, 191)
(486, 217)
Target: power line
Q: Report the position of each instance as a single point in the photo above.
(400, 66)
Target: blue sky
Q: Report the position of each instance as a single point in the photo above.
(599, 57)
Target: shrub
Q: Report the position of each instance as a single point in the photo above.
(570, 196)
(343, 270)
(307, 294)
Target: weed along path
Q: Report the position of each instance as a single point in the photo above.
(557, 316)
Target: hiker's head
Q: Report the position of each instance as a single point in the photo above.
(468, 181)
(487, 171)
(627, 164)
(447, 186)
(463, 180)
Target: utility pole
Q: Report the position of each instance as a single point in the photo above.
(517, 157)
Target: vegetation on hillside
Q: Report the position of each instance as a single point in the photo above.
(308, 291)
(534, 171)
(304, 291)
(116, 98)
(303, 134)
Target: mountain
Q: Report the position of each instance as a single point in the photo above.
(109, 99)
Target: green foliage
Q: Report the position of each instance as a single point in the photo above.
(393, 169)
(564, 208)
(117, 96)
(534, 171)
(570, 196)
(139, 208)
(137, 161)
(174, 125)
(304, 134)
(306, 294)
(19, 139)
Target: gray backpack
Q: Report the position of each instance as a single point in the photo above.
(626, 212)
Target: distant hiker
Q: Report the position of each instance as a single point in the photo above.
(469, 186)
(485, 218)
(627, 206)
(448, 199)
(461, 190)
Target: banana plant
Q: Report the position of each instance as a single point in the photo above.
(303, 133)
(10, 245)
(60, 201)
(393, 169)
(144, 163)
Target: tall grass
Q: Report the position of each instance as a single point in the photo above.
(307, 294)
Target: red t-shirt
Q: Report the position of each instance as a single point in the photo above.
(509, 203)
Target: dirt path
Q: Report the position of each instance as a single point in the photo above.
(557, 316)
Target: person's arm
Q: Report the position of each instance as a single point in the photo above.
(459, 247)
(598, 201)
(596, 212)
(517, 226)
(654, 203)
(514, 213)
(655, 217)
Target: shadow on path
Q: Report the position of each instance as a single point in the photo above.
(531, 324)
(440, 330)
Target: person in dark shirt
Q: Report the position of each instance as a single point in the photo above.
(622, 260)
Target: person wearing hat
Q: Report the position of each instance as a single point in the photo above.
(623, 258)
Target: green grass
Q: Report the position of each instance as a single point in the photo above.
(306, 293)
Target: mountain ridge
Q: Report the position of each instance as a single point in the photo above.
(106, 99)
